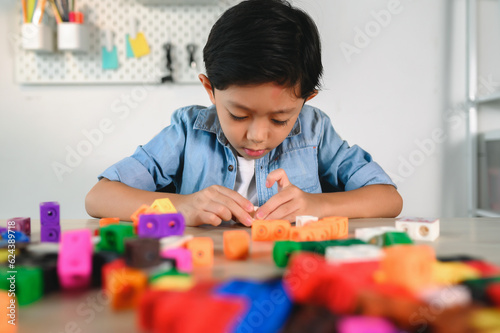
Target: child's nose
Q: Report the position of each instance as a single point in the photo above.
(257, 132)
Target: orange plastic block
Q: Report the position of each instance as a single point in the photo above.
(236, 244)
(108, 220)
(135, 216)
(9, 310)
(125, 286)
(108, 268)
(309, 233)
(270, 230)
(202, 250)
(163, 206)
(409, 266)
(339, 226)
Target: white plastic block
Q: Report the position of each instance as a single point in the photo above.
(420, 229)
(447, 297)
(302, 220)
(365, 234)
(353, 253)
(172, 242)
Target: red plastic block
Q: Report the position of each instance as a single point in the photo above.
(493, 291)
(74, 263)
(124, 286)
(487, 269)
(21, 224)
(202, 251)
(410, 266)
(270, 230)
(183, 258)
(108, 220)
(236, 244)
(108, 268)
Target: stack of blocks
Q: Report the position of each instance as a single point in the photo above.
(50, 222)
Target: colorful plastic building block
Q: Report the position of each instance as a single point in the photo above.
(448, 273)
(418, 228)
(161, 225)
(487, 269)
(493, 292)
(202, 251)
(47, 262)
(18, 236)
(353, 253)
(22, 224)
(50, 233)
(108, 220)
(365, 324)
(365, 234)
(113, 237)
(124, 287)
(99, 259)
(302, 220)
(142, 252)
(110, 267)
(173, 282)
(50, 213)
(339, 226)
(269, 297)
(391, 238)
(284, 249)
(163, 206)
(479, 287)
(236, 244)
(270, 230)
(141, 210)
(409, 266)
(182, 256)
(28, 283)
(310, 233)
(8, 312)
(74, 264)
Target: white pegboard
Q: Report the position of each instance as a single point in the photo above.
(178, 24)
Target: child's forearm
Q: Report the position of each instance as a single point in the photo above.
(368, 201)
(114, 199)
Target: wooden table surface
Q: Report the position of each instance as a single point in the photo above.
(89, 312)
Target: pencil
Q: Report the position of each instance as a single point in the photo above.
(25, 12)
(55, 11)
(42, 9)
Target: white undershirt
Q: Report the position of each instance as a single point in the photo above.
(245, 179)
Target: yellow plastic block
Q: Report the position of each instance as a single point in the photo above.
(173, 282)
(4, 255)
(139, 45)
(163, 206)
(446, 273)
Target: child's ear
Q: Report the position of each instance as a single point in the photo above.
(208, 87)
(312, 95)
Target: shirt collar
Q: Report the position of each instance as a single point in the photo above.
(207, 120)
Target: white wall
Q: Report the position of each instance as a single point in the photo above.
(389, 98)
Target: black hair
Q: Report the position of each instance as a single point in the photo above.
(261, 41)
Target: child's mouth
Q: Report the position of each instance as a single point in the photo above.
(254, 153)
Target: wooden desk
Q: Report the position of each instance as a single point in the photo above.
(88, 312)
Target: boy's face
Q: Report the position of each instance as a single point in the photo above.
(256, 118)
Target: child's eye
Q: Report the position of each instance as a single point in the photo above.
(280, 122)
(236, 118)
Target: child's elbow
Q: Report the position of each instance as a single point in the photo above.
(91, 204)
(395, 203)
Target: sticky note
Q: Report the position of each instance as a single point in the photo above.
(109, 59)
(139, 45)
(128, 47)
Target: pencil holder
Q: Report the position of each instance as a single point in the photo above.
(37, 37)
(72, 37)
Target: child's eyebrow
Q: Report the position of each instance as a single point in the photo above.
(245, 108)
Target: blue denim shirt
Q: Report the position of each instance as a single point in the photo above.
(194, 153)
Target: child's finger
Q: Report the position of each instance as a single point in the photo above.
(287, 211)
(243, 202)
(272, 204)
(209, 218)
(278, 175)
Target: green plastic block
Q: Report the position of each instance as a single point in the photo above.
(283, 249)
(478, 288)
(171, 272)
(391, 238)
(25, 282)
(113, 237)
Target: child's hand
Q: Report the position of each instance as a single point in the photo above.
(215, 204)
(289, 202)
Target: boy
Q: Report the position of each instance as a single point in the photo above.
(263, 62)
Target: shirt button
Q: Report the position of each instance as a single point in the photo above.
(230, 168)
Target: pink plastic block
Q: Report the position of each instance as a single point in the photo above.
(365, 324)
(74, 264)
(21, 224)
(183, 258)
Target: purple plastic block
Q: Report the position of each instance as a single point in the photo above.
(161, 225)
(50, 233)
(183, 258)
(74, 263)
(365, 324)
(49, 213)
(2, 229)
(21, 224)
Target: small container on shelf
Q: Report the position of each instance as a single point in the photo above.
(72, 37)
(37, 37)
